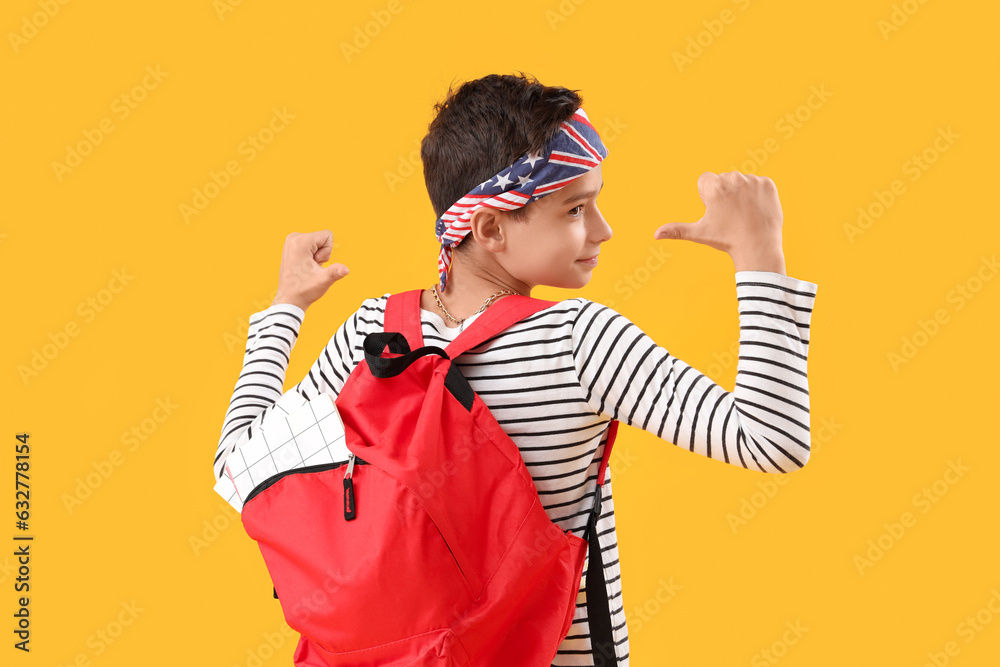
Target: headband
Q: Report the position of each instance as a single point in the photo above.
(574, 150)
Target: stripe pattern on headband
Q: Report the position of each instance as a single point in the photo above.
(574, 150)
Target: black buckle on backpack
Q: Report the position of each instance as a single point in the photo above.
(382, 367)
(594, 514)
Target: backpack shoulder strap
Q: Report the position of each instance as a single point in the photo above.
(500, 315)
(402, 314)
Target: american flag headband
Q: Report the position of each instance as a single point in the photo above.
(574, 150)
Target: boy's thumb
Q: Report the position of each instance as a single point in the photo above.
(672, 230)
(337, 271)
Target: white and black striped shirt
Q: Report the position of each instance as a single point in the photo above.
(556, 379)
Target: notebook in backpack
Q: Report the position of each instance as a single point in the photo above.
(296, 433)
(429, 545)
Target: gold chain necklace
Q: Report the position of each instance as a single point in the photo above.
(461, 322)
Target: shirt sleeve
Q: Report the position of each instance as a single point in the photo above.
(270, 339)
(763, 424)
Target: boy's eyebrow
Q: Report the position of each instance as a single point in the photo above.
(583, 195)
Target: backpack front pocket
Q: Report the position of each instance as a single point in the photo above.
(438, 648)
(351, 585)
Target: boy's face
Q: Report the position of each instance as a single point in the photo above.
(561, 229)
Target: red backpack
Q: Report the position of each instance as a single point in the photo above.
(430, 545)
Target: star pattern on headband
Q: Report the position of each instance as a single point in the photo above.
(532, 159)
(502, 181)
(523, 180)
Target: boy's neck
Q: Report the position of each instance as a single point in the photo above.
(469, 287)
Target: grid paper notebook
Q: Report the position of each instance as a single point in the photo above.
(294, 434)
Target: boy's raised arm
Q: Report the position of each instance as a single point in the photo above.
(763, 424)
(272, 335)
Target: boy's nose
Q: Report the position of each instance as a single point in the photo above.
(604, 231)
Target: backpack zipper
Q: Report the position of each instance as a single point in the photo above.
(319, 467)
(349, 489)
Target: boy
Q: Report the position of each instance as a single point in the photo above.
(512, 168)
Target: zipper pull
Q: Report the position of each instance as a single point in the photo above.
(349, 489)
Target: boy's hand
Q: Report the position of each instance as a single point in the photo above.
(301, 279)
(742, 218)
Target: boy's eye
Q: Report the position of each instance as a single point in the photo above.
(575, 208)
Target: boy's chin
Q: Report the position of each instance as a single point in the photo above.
(575, 282)
(570, 280)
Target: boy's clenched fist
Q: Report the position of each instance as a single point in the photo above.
(301, 279)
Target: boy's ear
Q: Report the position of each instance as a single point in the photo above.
(487, 228)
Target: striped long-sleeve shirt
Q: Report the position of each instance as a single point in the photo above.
(555, 380)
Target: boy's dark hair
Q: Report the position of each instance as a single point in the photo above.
(483, 127)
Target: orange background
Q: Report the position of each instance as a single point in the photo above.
(135, 317)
